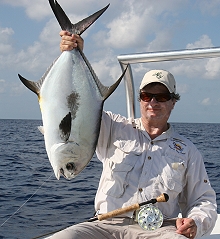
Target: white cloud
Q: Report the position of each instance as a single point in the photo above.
(204, 41)
(209, 7)
(126, 30)
(2, 86)
(182, 88)
(208, 68)
(162, 41)
(213, 69)
(206, 102)
(198, 68)
(137, 24)
(34, 9)
(106, 68)
(128, 26)
(17, 89)
(5, 33)
(12, 88)
(36, 57)
(40, 9)
(5, 40)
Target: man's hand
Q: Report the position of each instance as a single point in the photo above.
(186, 227)
(70, 41)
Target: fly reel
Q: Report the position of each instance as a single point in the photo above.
(150, 218)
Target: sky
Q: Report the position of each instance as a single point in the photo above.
(29, 43)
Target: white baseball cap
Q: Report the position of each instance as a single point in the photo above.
(160, 76)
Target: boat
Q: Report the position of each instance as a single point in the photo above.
(215, 234)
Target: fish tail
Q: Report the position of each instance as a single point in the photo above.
(66, 24)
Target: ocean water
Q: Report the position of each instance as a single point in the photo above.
(33, 202)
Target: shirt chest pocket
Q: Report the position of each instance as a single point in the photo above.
(116, 179)
(118, 168)
(172, 177)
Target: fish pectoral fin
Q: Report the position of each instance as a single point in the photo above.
(65, 127)
(41, 129)
(31, 85)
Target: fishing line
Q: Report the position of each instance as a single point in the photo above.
(26, 200)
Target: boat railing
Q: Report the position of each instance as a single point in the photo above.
(128, 59)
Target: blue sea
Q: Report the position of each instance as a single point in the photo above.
(33, 202)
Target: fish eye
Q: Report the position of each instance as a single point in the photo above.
(70, 166)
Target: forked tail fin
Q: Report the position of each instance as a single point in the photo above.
(66, 24)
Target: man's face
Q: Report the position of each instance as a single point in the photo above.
(154, 110)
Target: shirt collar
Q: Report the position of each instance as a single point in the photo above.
(164, 136)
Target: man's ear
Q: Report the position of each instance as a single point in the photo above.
(174, 102)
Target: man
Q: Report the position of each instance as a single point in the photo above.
(143, 158)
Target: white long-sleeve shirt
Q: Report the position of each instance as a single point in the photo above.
(137, 169)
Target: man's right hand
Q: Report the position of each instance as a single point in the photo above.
(70, 41)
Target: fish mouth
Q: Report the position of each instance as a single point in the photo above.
(62, 172)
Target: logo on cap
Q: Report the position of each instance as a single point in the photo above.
(158, 75)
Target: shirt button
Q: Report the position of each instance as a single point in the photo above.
(152, 142)
(140, 190)
(149, 157)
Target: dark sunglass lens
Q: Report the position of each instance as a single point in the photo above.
(162, 97)
(146, 96)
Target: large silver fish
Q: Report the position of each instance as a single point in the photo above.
(71, 101)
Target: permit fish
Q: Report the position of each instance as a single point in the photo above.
(71, 99)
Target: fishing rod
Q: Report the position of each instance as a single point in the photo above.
(162, 198)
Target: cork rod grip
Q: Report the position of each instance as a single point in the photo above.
(118, 212)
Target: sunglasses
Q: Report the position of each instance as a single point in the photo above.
(160, 97)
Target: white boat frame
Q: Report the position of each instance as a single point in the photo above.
(125, 60)
(129, 59)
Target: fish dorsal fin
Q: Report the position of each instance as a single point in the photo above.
(33, 86)
(66, 24)
(65, 127)
(107, 91)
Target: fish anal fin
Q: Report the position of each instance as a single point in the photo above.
(65, 127)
